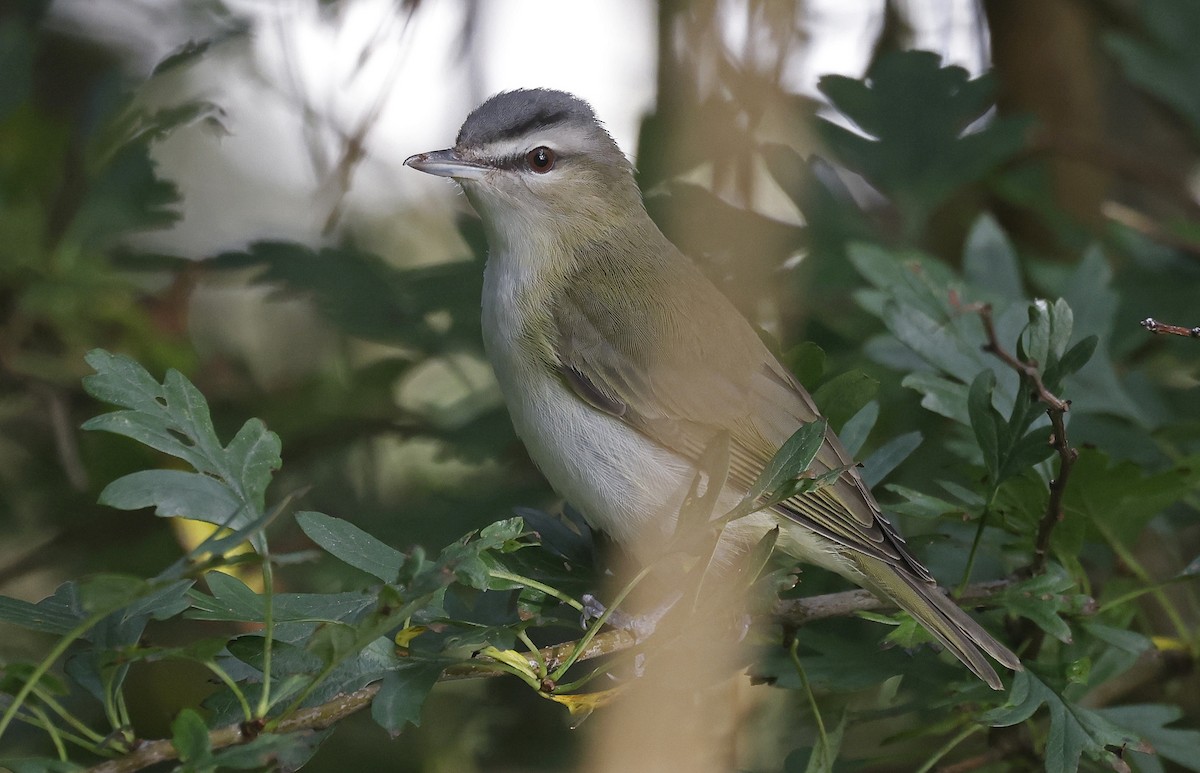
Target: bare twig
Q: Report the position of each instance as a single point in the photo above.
(794, 612)
(1056, 409)
(1162, 328)
(1148, 227)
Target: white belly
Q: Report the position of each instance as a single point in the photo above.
(624, 484)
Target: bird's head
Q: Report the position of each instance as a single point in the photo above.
(537, 164)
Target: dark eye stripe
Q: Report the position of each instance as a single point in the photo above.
(540, 120)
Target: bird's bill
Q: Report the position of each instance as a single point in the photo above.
(447, 163)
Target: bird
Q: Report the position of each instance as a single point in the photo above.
(620, 362)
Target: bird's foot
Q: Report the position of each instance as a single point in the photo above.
(641, 626)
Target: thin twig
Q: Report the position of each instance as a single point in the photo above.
(1162, 328)
(1056, 409)
(794, 612)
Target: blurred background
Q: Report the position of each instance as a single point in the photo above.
(217, 186)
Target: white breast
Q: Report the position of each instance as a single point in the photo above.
(625, 484)
(619, 479)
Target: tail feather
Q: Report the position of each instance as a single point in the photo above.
(949, 624)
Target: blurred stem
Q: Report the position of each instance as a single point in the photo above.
(1127, 557)
(596, 626)
(56, 652)
(573, 686)
(530, 583)
(67, 716)
(268, 576)
(533, 651)
(948, 747)
(812, 699)
(51, 730)
(42, 721)
(126, 724)
(983, 518)
(228, 681)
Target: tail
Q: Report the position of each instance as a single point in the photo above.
(933, 609)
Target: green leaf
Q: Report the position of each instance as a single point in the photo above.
(271, 752)
(985, 422)
(890, 455)
(1074, 730)
(825, 753)
(1042, 600)
(941, 395)
(806, 361)
(233, 601)
(1119, 498)
(845, 395)
(990, 261)
(333, 642)
(175, 494)
(174, 418)
(108, 592)
(36, 617)
(352, 545)
(920, 505)
(402, 694)
(189, 735)
(854, 432)
(792, 459)
(1177, 744)
(1157, 54)
(916, 113)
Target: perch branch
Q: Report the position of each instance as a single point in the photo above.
(1056, 409)
(793, 612)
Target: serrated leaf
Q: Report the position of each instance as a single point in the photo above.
(990, 261)
(1042, 599)
(940, 395)
(1177, 744)
(1074, 730)
(352, 545)
(36, 617)
(176, 494)
(174, 418)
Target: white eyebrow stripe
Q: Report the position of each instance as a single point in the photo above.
(561, 139)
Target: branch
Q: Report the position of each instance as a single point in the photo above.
(1056, 409)
(1162, 328)
(793, 612)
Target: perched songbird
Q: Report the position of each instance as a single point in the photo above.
(620, 361)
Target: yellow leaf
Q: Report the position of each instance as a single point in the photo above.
(406, 635)
(582, 705)
(511, 657)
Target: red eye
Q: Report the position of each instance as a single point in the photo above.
(540, 159)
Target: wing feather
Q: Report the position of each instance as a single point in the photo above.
(680, 387)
